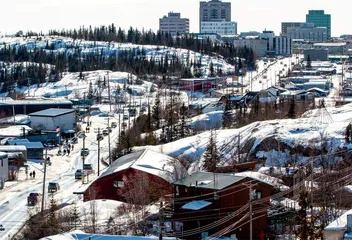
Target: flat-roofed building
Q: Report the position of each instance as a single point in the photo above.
(219, 27)
(174, 24)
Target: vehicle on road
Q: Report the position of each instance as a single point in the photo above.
(114, 124)
(79, 174)
(33, 198)
(132, 112)
(2, 228)
(88, 168)
(109, 129)
(100, 137)
(105, 132)
(124, 124)
(125, 117)
(53, 187)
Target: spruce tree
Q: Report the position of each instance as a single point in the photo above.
(292, 109)
(156, 113)
(309, 62)
(90, 91)
(211, 155)
(227, 118)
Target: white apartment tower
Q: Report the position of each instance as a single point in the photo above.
(174, 24)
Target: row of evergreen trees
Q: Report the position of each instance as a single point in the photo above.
(111, 33)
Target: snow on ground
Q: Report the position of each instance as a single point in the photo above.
(292, 132)
(207, 121)
(340, 223)
(72, 86)
(13, 198)
(67, 45)
(79, 235)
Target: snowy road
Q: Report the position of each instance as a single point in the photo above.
(13, 203)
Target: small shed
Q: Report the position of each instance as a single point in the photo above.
(34, 149)
(52, 118)
(14, 149)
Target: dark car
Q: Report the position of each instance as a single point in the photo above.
(53, 187)
(78, 174)
(33, 198)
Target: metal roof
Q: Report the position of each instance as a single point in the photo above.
(10, 102)
(29, 145)
(127, 160)
(206, 180)
(52, 112)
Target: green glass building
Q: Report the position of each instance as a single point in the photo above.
(320, 19)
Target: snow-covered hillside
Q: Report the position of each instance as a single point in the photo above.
(72, 86)
(298, 138)
(68, 46)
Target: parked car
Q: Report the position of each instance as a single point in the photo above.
(119, 111)
(125, 117)
(124, 124)
(79, 174)
(53, 187)
(100, 137)
(2, 228)
(109, 129)
(33, 198)
(105, 132)
(114, 124)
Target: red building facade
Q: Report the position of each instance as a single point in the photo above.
(229, 194)
(144, 172)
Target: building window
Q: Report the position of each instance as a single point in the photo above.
(258, 195)
(118, 184)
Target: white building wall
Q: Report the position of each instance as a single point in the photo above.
(50, 123)
(174, 24)
(4, 168)
(222, 28)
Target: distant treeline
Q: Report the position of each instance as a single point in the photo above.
(46, 64)
(111, 33)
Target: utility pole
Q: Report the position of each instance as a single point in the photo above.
(109, 92)
(109, 141)
(239, 147)
(98, 139)
(43, 194)
(250, 186)
(161, 222)
(83, 148)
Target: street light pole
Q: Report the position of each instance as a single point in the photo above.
(43, 194)
(98, 139)
(82, 152)
(109, 141)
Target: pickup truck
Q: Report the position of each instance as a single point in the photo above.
(33, 199)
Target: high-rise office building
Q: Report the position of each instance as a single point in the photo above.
(173, 24)
(320, 19)
(214, 11)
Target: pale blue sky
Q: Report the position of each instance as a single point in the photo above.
(250, 14)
